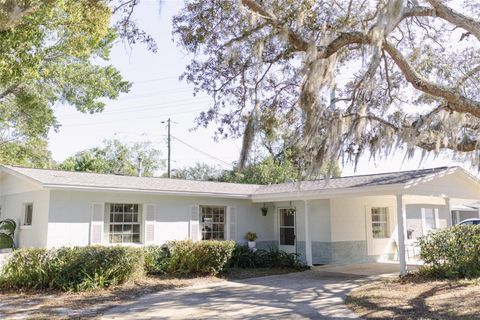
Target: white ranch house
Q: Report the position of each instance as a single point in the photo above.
(344, 220)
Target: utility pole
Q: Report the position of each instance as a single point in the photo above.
(169, 147)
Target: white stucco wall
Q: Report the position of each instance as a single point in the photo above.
(15, 193)
(348, 216)
(320, 220)
(70, 214)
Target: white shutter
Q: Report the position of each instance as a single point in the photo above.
(149, 219)
(424, 222)
(437, 218)
(96, 224)
(194, 223)
(232, 223)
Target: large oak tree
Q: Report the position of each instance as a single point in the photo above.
(342, 77)
(56, 52)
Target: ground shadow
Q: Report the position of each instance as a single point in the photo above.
(417, 305)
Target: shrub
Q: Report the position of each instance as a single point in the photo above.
(202, 257)
(276, 258)
(156, 259)
(72, 269)
(243, 257)
(452, 253)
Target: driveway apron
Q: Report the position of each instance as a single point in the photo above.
(304, 295)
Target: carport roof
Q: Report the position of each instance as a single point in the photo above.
(82, 180)
(381, 179)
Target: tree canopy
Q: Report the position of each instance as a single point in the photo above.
(265, 169)
(276, 169)
(345, 78)
(199, 171)
(115, 157)
(55, 52)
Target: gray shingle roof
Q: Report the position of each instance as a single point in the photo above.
(110, 181)
(380, 179)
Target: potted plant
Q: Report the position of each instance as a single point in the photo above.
(264, 211)
(251, 237)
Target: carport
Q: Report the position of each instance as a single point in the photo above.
(336, 222)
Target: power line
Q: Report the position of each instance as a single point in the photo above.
(202, 152)
(148, 107)
(154, 79)
(130, 119)
(156, 93)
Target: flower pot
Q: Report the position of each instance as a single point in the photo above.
(264, 211)
(252, 244)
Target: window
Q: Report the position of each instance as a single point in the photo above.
(28, 214)
(380, 228)
(213, 223)
(124, 222)
(429, 219)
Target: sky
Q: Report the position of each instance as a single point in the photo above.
(157, 94)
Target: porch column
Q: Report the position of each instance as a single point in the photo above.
(449, 211)
(308, 243)
(401, 234)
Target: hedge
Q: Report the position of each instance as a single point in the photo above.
(84, 268)
(156, 260)
(452, 252)
(72, 269)
(202, 257)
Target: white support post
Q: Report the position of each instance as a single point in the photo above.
(449, 211)
(308, 243)
(401, 235)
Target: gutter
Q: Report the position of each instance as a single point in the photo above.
(145, 191)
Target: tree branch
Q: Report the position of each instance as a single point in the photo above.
(456, 101)
(456, 18)
(297, 41)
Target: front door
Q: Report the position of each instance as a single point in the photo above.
(287, 229)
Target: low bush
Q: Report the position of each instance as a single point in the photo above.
(275, 258)
(72, 269)
(157, 259)
(243, 257)
(451, 253)
(202, 257)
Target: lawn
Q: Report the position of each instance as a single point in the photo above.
(91, 304)
(412, 298)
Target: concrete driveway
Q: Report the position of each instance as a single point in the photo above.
(312, 294)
